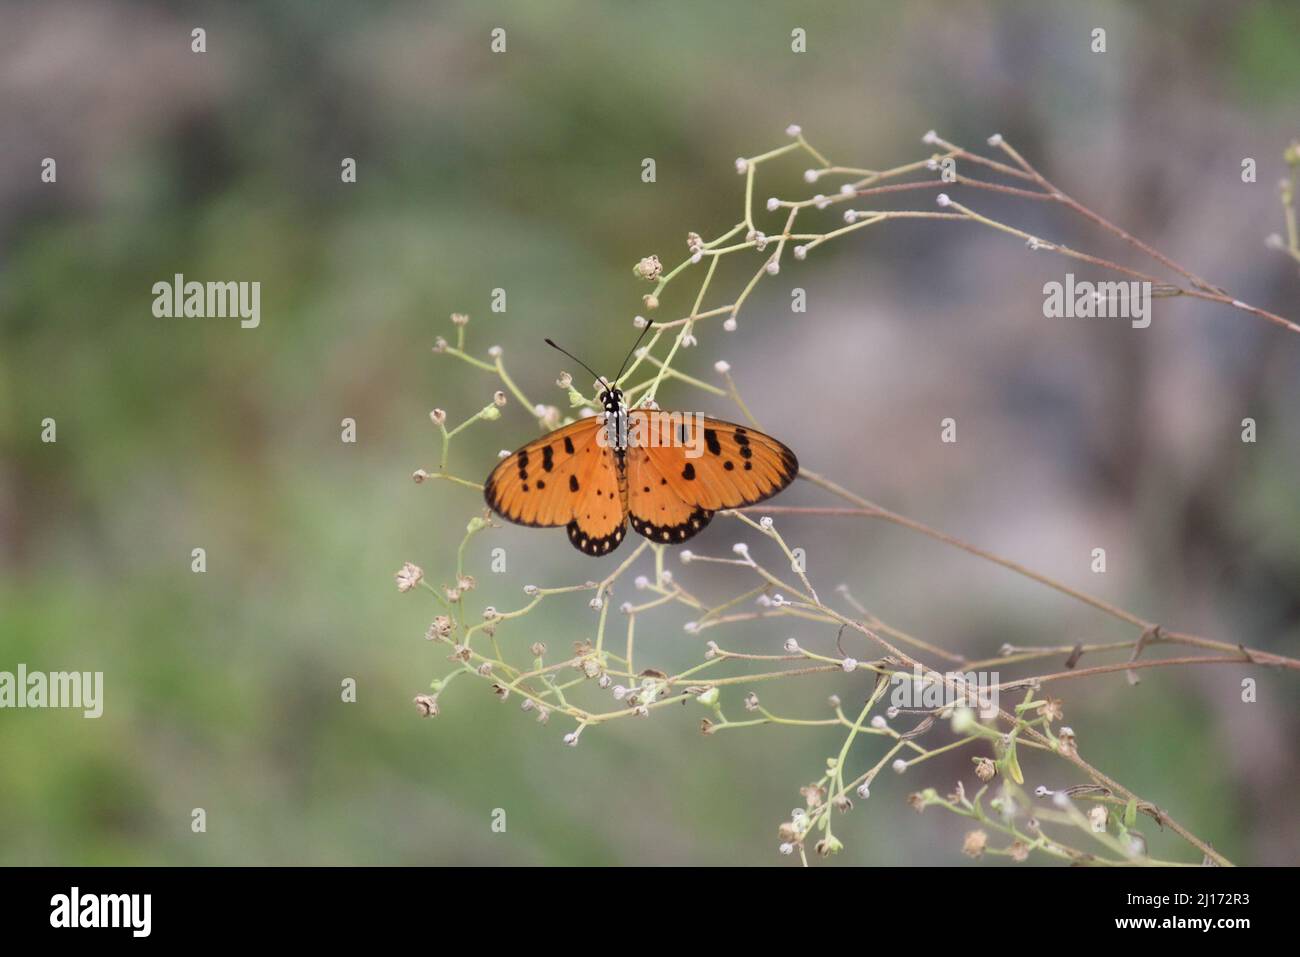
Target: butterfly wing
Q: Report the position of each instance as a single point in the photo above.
(600, 514)
(535, 485)
(657, 511)
(675, 487)
(564, 478)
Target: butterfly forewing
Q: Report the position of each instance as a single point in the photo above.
(541, 483)
(727, 466)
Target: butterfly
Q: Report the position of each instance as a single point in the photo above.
(665, 472)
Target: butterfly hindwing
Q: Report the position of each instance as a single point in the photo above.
(600, 514)
(657, 511)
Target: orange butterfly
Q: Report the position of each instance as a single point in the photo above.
(666, 471)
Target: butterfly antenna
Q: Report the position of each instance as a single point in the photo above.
(551, 343)
(648, 324)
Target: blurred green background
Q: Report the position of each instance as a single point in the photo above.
(522, 170)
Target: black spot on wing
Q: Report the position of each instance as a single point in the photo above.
(711, 442)
(573, 483)
(688, 472)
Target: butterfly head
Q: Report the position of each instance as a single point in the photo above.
(612, 399)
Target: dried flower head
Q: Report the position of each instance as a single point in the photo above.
(408, 576)
(1051, 710)
(1066, 743)
(649, 269)
(974, 843)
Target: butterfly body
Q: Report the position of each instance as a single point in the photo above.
(666, 473)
